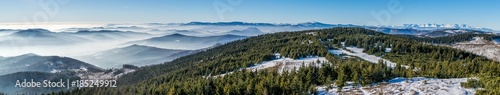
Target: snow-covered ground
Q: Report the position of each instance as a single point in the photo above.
(114, 74)
(480, 47)
(399, 86)
(475, 40)
(337, 52)
(288, 63)
(283, 64)
(388, 49)
(496, 41)
(359, 53)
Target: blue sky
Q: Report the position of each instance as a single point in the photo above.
(481, 13)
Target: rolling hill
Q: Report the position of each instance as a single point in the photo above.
(37, 37)
(33, 62)
(180, 41)
(104, 35)
(138, 55)
(252, 31)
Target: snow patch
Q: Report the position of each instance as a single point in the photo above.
(479, 47)
(359, 53)
(55, 71)
(456, 31)
(114, 74)
(387, 50)
(312, 33)
(83, 68)
(287, 64)
(400, 86)
(336, 52)
(117, 51)
(308, 42)
(278, 55)
(475, 40)
(496, 41)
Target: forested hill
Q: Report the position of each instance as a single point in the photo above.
(451, 39)
(189, 75)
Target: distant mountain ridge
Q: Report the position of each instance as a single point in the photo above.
(433, 27)
(229, 23)
(429, 30)
(105, 31)
(449, 32)
(33, 62)
(138, 55)
(31, 37)
(33, 33)
(109, 34)
(251, 31)
(238, 23)
(180, 41)
(316, 24)
(445, 26)
(405, 29)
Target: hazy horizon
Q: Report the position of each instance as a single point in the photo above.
(58, 26)
(380, 12)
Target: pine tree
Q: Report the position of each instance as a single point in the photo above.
(171, 91)
(356, 78)
(341, 79)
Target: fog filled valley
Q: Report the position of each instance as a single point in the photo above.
(90, 52)
(181, 56)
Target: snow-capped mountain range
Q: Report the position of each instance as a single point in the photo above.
(319, 24)
(439, 25)
(436, 27)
